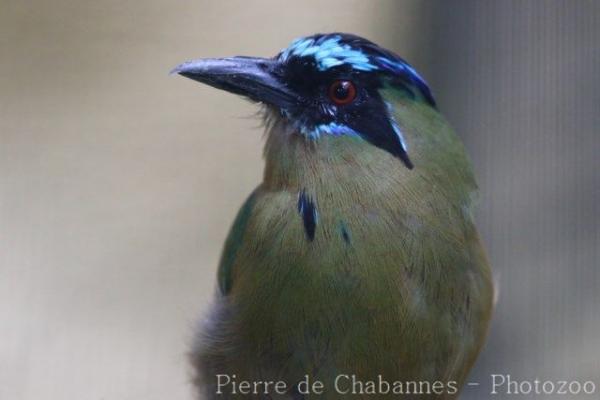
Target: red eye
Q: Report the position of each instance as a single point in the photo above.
(342, 92)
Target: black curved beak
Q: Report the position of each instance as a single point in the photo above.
(255, 78)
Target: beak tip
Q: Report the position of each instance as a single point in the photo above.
(191, 67)
(178, 70)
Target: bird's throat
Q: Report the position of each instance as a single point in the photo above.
(295, 162)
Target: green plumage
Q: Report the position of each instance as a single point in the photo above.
(395, 282)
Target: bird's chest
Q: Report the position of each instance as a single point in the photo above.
(358, 276)
(349, 286)
(303, 245)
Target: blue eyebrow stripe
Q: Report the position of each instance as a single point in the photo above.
(402, 67)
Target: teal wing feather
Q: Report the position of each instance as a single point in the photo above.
(232, 245)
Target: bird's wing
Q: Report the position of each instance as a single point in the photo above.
(232, 244)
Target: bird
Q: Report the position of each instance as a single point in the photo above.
(355, 268)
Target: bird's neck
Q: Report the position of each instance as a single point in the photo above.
(336, 171)
(348, 169)
(295, 162)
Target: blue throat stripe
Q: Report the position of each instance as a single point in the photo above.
(331, 128)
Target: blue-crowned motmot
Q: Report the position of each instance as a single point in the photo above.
(357, 256)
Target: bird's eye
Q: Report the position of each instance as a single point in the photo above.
(342, 92)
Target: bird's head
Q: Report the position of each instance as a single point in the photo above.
(325, 84)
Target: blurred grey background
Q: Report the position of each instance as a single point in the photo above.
(118, 183)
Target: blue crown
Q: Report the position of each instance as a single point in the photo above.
(342, 49)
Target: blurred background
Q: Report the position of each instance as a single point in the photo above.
(118, 183)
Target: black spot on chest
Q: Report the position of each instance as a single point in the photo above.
(309, 214)
(345, 232)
